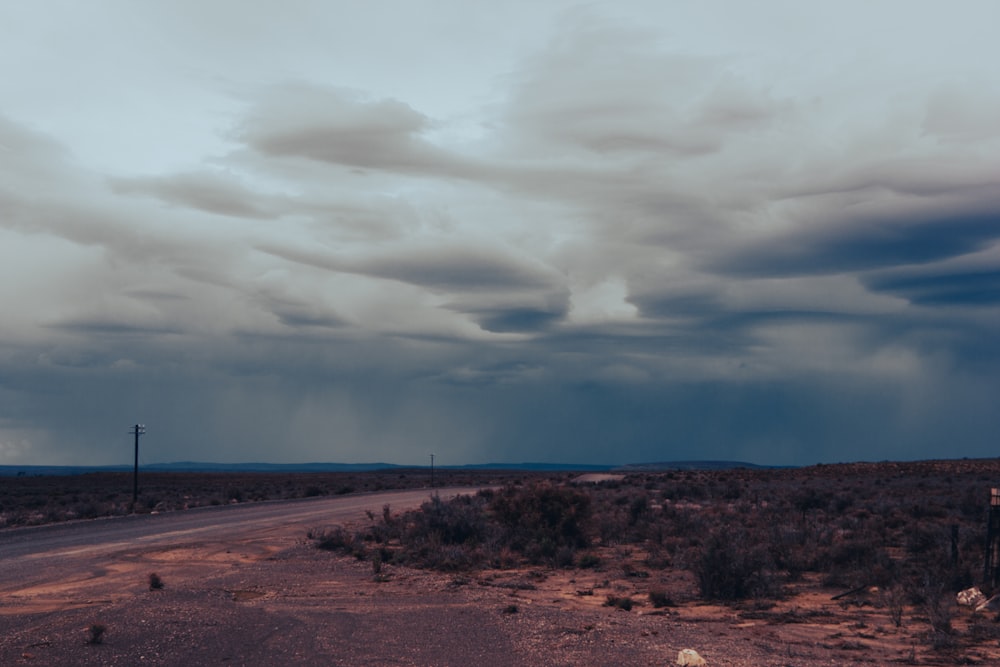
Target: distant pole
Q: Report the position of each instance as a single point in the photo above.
(991, 566)
(432, 471)
(137, 430)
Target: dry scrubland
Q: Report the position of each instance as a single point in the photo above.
(767, 553)
(893, 542)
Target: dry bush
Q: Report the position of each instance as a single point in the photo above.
(95, 633)
(624, 603)
(735, 565)
(539, 520)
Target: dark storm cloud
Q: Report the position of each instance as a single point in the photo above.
(518, 319)
(498, 290)
(524, 312)
(653, 303)
(460, 268)
(976, 288)
(858, 245)
(301, 313)
(113, 328)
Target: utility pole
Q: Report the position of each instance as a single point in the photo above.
(137, 430)
(432, 471)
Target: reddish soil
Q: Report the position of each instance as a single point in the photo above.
(265, 604)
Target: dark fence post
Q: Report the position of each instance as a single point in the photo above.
(991, 566)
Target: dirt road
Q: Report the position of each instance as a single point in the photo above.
(47, 557)
(243, 586)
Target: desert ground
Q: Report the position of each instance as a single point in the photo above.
(865, 573)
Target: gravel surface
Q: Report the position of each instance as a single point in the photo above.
(301, 606)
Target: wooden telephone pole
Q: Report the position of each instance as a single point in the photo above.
(137, 430)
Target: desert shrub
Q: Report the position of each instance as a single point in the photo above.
(731, 565)
(659, 598)
(893, 598)
(565, 556)
(855, 561)
(339, 539)
(459, 521)
(811, 499)
(442, 535)
(657, 556)
(983, 630)
(95, 633)
(540, 523)
(155, 582)
(611, 527)
(927, 545)
(624, 602)
(536, 521)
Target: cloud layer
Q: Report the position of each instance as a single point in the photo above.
(631, 246)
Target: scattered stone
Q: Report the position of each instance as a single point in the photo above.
(970, 597)
(689, 658)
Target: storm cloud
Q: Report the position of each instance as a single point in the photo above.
(561, 233)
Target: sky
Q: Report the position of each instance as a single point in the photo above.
(499, 232)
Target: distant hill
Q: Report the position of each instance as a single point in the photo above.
(201, 466)
(693, 465)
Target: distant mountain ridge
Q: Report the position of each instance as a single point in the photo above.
(694, 465)
(202, 466)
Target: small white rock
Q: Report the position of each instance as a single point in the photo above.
(970, 597)
(689, 658)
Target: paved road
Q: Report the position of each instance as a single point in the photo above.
(40, 553)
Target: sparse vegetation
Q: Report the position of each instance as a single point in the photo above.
(739, 534)
(659, 598)
(95, 633)
(622, 602)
